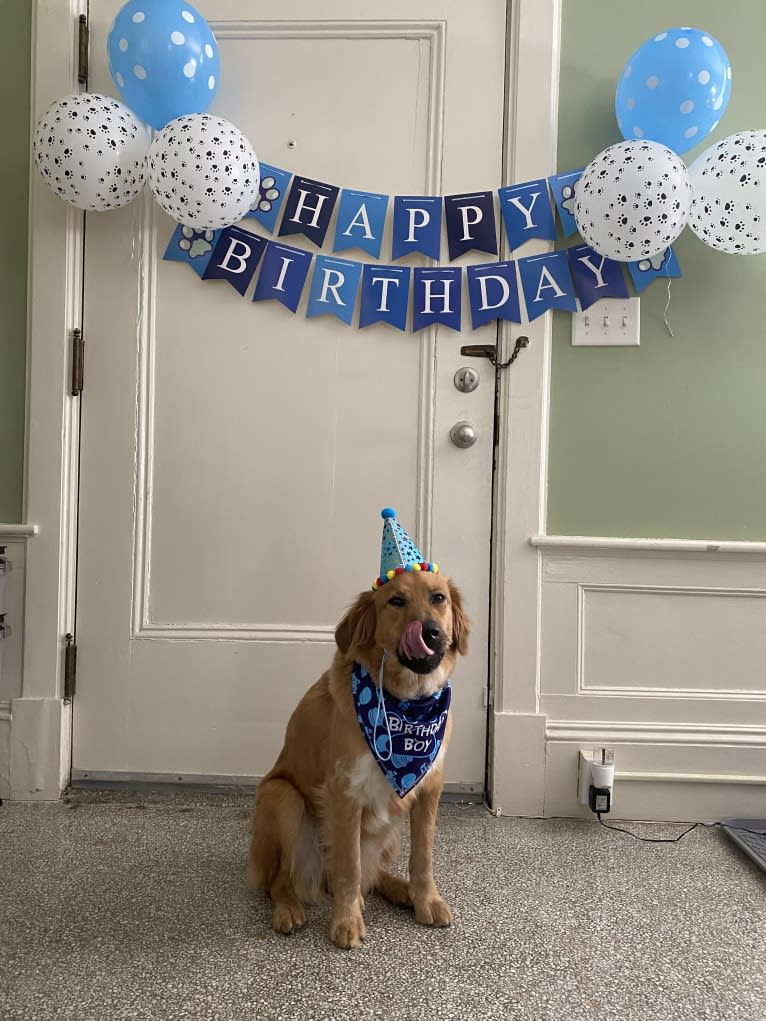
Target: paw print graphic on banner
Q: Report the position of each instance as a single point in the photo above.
(196, 242)
(269, 193)
(568, 198)
(192, 246)
(643, 271)
(655, 262)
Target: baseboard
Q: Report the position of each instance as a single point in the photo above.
(5, 750)
(658, 777)
(39, 748)
(101, 780)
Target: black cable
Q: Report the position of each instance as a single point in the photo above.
(673, 840)
(648, 840)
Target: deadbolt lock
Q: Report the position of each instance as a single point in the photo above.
(467, 379)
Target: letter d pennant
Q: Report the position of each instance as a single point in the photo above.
(493, 292)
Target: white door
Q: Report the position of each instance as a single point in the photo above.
(235, 457)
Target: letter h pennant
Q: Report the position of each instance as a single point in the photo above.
(436, 297)
(308, 209)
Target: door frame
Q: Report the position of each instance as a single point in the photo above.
(41, 719)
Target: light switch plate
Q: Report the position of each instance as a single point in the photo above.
(610, 322)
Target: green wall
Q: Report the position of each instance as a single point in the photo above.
(15, 17)
(667, 439)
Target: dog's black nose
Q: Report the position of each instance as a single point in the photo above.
(433, 635)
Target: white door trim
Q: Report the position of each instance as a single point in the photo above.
(55, 287)
(517, 738)
(40, 721)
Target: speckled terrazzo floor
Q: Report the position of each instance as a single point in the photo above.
(136, 907)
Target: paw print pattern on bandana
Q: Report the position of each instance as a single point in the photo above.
(403, 736)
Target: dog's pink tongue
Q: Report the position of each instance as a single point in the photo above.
(413, 645)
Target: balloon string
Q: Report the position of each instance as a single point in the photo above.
(133, 232)
(137, 247)
(667, 306)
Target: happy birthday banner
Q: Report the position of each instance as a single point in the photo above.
(552, 280)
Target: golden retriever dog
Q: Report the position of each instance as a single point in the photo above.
(327, 820)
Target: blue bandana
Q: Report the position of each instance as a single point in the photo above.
(404, 736)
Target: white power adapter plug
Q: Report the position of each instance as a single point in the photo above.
(596, 780)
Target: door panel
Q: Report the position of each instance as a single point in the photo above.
(235, 457)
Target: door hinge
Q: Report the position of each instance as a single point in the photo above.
(70, 666)
(78, 362)
(82, 50)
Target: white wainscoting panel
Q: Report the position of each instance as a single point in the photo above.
(13, 607)
(659, 653)
(12, 538)
(669, 641)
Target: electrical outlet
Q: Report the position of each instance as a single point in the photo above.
(610, 322)
(594, 767)
(583, 777)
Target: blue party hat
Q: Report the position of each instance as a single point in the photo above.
(398, 553)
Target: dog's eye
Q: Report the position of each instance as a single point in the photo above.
(396, 601)
(438, 597)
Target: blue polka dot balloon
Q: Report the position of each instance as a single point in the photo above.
(674, 89)
(164, 59)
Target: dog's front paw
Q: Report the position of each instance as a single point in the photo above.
(347, 929)
(288, 916)
(432, 911)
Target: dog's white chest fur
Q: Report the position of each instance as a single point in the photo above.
(370, 789)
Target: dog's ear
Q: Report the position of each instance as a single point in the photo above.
(461, 625)
(357, 629)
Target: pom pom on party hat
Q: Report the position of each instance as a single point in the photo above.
(398, 553)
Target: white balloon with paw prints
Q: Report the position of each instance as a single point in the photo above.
(91, 151)
(632, 200)
(203, 171)
(728, 182)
